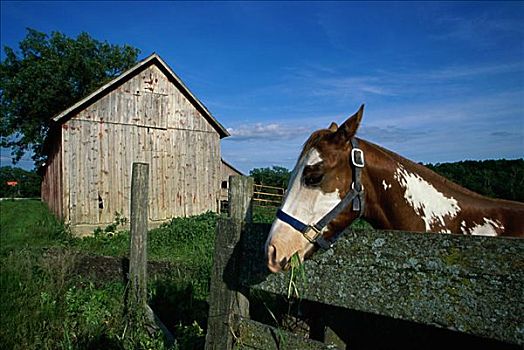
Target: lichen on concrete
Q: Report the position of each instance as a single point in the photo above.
(471, 284)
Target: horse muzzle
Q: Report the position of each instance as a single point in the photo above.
(275, 262)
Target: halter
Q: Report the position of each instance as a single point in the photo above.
(313, 233)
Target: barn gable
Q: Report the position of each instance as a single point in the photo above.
(145, 115)
(158, 81)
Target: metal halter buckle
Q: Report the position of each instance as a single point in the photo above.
(357, 157)
(361, 187)
(316, 235)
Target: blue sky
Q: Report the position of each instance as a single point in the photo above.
(442, 81)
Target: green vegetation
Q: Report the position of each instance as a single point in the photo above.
(28, 225)
(49, 304)
(47, 75)
(493, 178)
(264, 215)
(276, 176)
(28, 183)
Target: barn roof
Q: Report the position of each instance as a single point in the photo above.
(159, 62)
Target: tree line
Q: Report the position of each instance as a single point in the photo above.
(493, 178)
(27, 183)
(500, 178)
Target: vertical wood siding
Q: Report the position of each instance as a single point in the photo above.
(146, 119)
(51, 190)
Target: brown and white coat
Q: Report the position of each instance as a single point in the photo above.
(399, 195)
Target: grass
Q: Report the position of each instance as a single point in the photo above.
(264, 214)
(46, 305)
(361, 224)
(28, 224)
(44, 308)
(186, 242)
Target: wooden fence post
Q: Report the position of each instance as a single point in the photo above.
(138, 249)
(226, 297)
(240, 198)
(137, 297)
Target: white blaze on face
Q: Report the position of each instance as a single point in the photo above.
(488, 228)
(431, 205)
(306, 204)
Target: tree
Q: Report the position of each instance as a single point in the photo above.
(494, 178)
(275, 176)
(28, 182)
(46, 76)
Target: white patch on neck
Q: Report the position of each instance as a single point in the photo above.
(463, 227)
(488, 228)
(431, 205)
(386, 185)
(307, 204)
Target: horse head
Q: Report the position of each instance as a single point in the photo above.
(320, 181)
(326, 194)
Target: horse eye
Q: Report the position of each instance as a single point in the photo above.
(313, 176)
(313, 181)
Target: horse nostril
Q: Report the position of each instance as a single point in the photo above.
(272, 260)
(272, 254)
(274, 263)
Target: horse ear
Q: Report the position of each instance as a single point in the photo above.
(333, 127)
(350, 126)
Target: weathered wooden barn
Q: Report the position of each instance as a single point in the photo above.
(146, 114)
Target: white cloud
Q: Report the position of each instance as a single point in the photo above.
(361, 85)
(444, 81)
(266, 131)
(477, 127)
(482, 30)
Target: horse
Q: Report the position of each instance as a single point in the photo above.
(339, 178)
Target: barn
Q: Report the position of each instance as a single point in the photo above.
(147, 114)
(227, 171)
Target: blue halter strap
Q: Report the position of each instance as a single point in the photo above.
(313, 233)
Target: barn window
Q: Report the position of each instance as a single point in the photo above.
(224, 185)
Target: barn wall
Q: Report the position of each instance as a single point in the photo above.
(226, 172)
(51, 188)
(145, 119)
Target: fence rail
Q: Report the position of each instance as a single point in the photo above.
(264, 195)
(472, 285)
